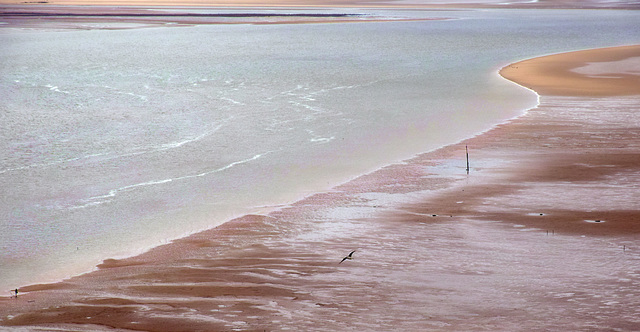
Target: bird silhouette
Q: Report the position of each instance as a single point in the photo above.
(350, 256)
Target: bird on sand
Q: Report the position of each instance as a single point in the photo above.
(349, 256)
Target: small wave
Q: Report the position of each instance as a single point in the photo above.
(306, 106)
(56, 89)
(52, 163)
(141, 97)
(322, 139)
(108, 156)
(344, 87)
(319, 139)
(128, 93)
(235, 102)
(173, 145)
(290, 92)
(90, 204)
(101, 199)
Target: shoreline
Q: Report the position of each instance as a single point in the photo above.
(130, 17)
(547, 172)
(554, 4)
(80, 14)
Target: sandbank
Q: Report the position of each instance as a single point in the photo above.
(540, 235)
(120, 14)
(116, 18)
(566, 4)
(605, 72)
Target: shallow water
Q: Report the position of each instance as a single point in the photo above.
(116, 141)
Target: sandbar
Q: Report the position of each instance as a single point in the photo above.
(565, 4)
(76, 17)
(561, 74)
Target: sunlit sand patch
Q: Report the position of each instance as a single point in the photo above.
(610, 69)
(596, 72)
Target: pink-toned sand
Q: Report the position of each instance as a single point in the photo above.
(559, 75)
(581, 4)
(542, 234)
(76, 8)
(39, 16)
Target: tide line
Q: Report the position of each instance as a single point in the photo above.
(101, 199)
(107, 156)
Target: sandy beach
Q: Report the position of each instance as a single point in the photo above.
(540, 235)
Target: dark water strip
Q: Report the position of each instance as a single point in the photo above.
(230, 15)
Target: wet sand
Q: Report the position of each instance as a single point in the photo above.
(542, 234)
(568, 4)
(54, 17)
(115, 14)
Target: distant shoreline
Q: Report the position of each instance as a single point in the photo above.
(127, 17)
(554, 4)
(230, 15)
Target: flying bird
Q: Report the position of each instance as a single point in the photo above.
(350, 256)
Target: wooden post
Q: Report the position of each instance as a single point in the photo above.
(466, 148)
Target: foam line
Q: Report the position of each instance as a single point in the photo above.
(95, 200)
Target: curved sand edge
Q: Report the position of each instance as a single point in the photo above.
(560, 74)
